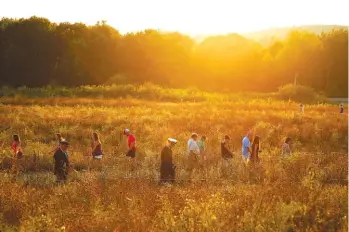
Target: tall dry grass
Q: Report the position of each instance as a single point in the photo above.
(306, 192)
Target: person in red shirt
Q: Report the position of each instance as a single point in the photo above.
(16, 147)
(17, 153)
(131, 142)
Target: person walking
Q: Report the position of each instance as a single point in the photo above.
(167, 168)
(246, 147)
(341, 110)
(131, 143)
(255, 150)
(96, 147)
(225, 149)
(286, 147)
(60, 139)
(202, 146)
(61, 165)
(193, 152)
(17, 153)
(301, 108)
(227, 156)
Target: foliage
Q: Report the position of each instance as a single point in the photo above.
(68, 54)
(145, 91)
(299, 93)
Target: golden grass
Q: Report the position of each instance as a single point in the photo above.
(307, 192)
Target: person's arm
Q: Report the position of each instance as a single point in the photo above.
(66, 159)
(54, 149)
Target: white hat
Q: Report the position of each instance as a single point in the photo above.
(126, 131)
(172, 140)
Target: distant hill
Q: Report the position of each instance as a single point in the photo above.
(267, 36)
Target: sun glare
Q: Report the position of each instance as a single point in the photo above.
(190, 17)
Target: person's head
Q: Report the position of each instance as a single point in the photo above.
(16, 138)
(203, 138)
(194, 136)
(171, 142)
(226, 138)
(95, 136)
(64, 145)
(60, 137)
(256, 139)
(288, 140)
(127, 132)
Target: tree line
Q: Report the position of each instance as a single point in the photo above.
(36, 52)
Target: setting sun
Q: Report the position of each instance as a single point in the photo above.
(190, 17)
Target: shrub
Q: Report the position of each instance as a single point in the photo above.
(299, 93)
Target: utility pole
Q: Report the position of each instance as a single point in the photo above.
(295, 79)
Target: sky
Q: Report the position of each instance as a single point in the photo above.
(191, 17)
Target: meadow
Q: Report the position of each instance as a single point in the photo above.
(305, 192)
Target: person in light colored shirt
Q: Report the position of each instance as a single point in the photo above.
(202, 144)
(193, 152)
(246, 146)
(192, 146)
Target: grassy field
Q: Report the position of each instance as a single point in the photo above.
(306, 192)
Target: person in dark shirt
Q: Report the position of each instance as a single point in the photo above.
(167, 169)
(61, 162)
(341, 109)
(225, 151)
(96, 147)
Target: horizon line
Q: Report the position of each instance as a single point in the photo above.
(124, 32)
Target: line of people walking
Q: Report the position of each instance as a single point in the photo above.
(196, 153)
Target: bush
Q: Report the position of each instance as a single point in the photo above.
(299, 93)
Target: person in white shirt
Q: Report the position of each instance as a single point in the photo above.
(192, 145)
(193, 151)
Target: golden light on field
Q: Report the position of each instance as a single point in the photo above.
(191, 17)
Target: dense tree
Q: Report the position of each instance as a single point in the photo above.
(37, 52)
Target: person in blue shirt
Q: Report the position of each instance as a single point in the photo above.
(246, 146)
